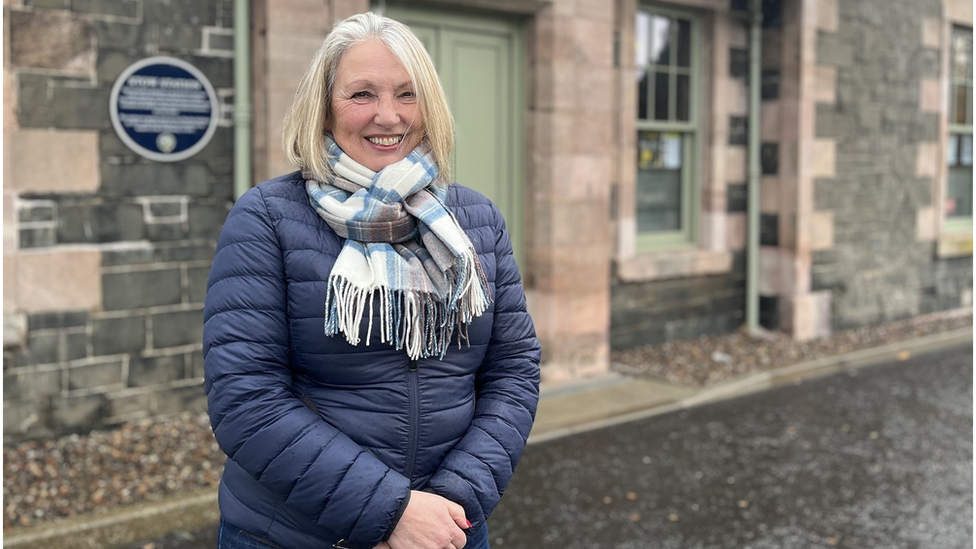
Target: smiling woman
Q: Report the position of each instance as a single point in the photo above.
(371, 370)
(376, 118)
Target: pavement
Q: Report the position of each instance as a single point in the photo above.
(565, 409)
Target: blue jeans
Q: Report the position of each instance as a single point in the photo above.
(232, 537)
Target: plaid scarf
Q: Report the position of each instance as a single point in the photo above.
(404, 248)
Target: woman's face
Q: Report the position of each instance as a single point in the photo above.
(376, 119)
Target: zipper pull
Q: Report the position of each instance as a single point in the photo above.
(413, 365)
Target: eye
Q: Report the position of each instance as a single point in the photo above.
(408, 95)
(362, 95)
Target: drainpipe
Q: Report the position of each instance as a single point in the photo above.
(755, 170)
(242, 97)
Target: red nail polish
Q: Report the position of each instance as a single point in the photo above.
(468, 522)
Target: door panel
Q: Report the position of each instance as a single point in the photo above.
(479, 61)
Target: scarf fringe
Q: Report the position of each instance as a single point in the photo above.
(414, 321)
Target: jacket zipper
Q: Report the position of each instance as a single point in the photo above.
(414, 419)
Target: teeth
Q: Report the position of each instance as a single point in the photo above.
(385, 141)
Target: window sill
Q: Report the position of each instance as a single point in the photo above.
(673, 264)
(955, 245)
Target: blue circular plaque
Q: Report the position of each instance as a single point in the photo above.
(164, 109)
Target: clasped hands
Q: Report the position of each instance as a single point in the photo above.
(429, 522)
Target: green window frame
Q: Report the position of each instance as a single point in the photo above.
(958, 200)
(668, 63)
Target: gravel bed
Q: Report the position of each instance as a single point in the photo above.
(44, 480)
(714, 359)
(49, 479)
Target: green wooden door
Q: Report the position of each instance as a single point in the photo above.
(479, 61)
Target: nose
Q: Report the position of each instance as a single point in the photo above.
(386, 111)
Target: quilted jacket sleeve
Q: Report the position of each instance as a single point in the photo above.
(476, 471)
(258, 421)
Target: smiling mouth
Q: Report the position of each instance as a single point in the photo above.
(385, 141)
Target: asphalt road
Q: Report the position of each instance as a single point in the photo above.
(878, 458)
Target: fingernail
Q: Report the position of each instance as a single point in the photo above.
(468, 523)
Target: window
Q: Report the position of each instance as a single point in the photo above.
(959, 190)
(667, 127)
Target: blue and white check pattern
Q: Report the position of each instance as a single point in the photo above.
(404, 249)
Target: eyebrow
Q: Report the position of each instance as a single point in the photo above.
(370, 84)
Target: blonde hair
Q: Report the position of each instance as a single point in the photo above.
(311, 112)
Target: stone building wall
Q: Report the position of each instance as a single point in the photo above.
(665, 295)
(884, 121)
(106, 254)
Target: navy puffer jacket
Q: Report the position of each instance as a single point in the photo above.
(325, 440)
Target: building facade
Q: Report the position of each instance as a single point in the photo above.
(613, 135)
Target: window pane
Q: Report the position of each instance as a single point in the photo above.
(966, 150)
(683, 98)
(660, 40)
(643, 39)
(684, 43)
(959, 196)
(661, 96)
(969, 105)
(659, 182)
(958, 105)
(642, 96)
(962, 54)
(952, 150)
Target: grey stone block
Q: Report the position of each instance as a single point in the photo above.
(196, 365)
(832, 50)
(146, 371)
(166, 253)
(23, 419)
(79, 413)
(221, 42)
(206, 220)
(112, 336)
(138, 289)
(54, 4)
(738, 62)
(44, 348)
(61, 319)
(737, 197)
(146, 179)
(195, 12)
(109, 145)
(75, 345)
(39, 237)
(769, 158)
(129, 405)
(219, 70)
(219, 152)
(112, 258)
(110, 64)
(29, 383)
(31, 212)
(163, 232)
(738, 130)
(81, 108)
(118, 35)
(165, 209)
(90, 376)
(181, 399)
(178, 37)
(197, 283)
(119, 8)
(177, 328)
(108, 222)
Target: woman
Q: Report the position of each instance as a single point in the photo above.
(371, 370)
